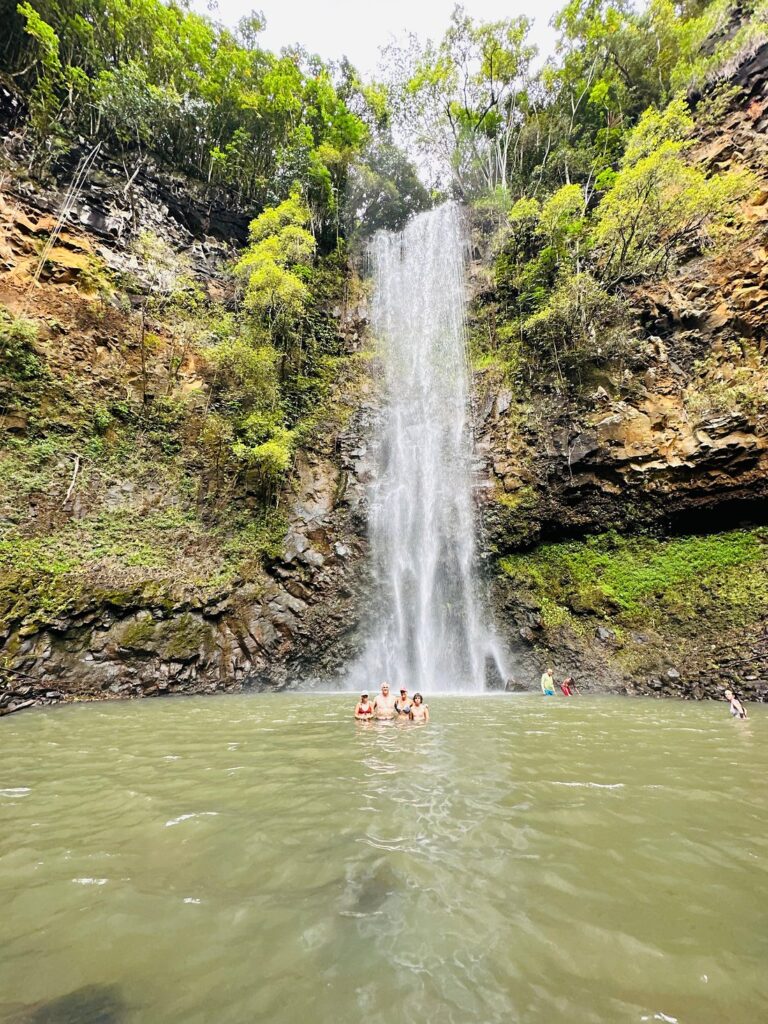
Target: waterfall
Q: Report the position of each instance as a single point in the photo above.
(428, 630)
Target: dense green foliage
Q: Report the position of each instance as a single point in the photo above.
(562, 261)
(17, 358)
(155, 77)
(579, 172)
(482, 119)
(476, 110)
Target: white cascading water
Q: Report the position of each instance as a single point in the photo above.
(428, 632)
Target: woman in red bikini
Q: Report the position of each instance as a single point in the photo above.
(364, 709)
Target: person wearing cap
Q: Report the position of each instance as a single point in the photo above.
(384, 705)
(403, 705)
(364, 709)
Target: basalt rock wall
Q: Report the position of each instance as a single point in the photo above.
(672, 442)
(164, 612)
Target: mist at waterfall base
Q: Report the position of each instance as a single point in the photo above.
(427, 628)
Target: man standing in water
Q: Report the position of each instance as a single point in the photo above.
(548, 683)
(384, 705)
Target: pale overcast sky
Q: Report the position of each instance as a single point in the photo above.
(356, 28)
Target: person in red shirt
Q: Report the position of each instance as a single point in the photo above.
(568, 687)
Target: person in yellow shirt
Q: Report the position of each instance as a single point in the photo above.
(548, 683)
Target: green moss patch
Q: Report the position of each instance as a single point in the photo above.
(123, 556)
(648, 581)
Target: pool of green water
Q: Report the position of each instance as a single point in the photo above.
(266, 858)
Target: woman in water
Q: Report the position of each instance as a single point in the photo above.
(737, 708)
(364, 709)
(403, 705)
(419, 710)
(568, 687)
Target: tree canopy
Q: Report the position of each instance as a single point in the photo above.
(580, 167)
(144, 75)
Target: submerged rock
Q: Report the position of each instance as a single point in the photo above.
(92, 1004)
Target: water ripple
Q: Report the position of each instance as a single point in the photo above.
(583, 862)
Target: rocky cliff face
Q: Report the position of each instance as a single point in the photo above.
(621, 523)
(674, 440)
(295, 625)
(115, 584)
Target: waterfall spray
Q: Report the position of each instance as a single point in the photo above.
(429, 630)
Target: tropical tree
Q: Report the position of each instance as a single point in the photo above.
(461, 100)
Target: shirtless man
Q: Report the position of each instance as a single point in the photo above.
(384, 705)
(419, 710)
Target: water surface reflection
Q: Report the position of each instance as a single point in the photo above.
(268, 859)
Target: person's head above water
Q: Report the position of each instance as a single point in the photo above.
(729, 694)
(417, 698)
(363, 696)
(385, 687)
(403, 692)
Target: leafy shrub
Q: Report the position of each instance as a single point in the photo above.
(245, 374)
(275, 266)
(17, 357)
(580, 321)
(268, 461)
(658, 207)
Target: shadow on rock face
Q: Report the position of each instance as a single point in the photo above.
(92, 1004)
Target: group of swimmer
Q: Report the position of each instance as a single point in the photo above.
(386, 707)
(568, 687)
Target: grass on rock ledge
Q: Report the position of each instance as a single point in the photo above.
(639, 582)
(122, 554)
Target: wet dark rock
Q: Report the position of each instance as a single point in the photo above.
(12, 706)
(582, 445)
(92, 1004)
